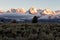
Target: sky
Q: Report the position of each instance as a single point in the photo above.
(52, 4)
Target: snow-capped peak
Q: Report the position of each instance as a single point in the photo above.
(21, 10)
(49, 12)
(12, 10)
(33, 10)
(1, 11)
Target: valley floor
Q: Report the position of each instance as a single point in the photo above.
(29, 31)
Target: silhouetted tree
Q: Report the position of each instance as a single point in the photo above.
(14, 21)
(2, 21)
(35, 19)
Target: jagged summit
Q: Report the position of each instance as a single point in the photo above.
(11, 10)
(33, 10)
(21, 10)
(41, 13)
(49, 12)
(1, 11)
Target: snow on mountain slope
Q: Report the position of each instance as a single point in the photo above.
(21, 10)
(33, 10)
(49, 12)
(57, 11)
(22, 14)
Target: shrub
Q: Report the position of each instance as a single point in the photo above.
(14, 21)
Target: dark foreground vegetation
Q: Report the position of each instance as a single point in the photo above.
(30, 31)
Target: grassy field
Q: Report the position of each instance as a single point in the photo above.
(29, 31)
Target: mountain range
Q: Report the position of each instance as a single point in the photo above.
(21, 15)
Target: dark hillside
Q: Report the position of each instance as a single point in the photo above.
(30, 31)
